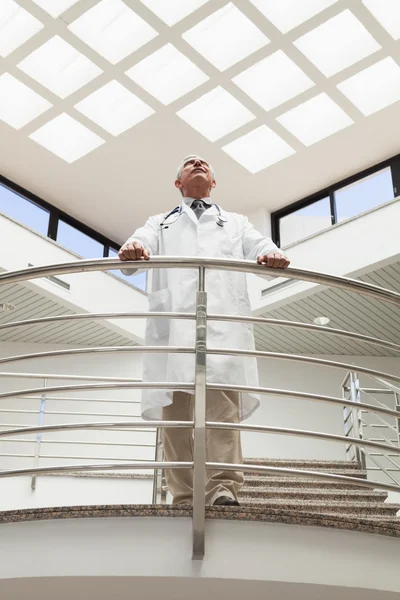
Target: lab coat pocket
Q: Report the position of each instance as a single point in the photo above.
(157, 329)
(231, 244)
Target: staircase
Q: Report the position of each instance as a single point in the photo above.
(302, 496)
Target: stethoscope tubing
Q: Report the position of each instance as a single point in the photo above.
(179, 209)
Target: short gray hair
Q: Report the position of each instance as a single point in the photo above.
(182, 164)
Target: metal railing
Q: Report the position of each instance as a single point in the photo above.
(369, 425)
(200, 386)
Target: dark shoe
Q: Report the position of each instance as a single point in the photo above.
(225, 501)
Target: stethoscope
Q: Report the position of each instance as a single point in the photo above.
(177, 211)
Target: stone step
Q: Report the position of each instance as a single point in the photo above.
(325, 507)
(303, 463)
(344, 472)
(275, 481)
(347, 495)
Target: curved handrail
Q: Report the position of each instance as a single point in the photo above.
(160, 385)
(181, 262)
(190, 424)
(210, 317)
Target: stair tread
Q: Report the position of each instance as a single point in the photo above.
(307, 492)
(325, 502)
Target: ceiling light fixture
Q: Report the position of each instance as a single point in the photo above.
(113, 30)
(59, 67)
(321, 320)
(18, 103)
(66, 138)
(337, 44)
(258, 149)
(167, 74)
(17, 25)
(114, 108)
(225, 37)
(216, 114)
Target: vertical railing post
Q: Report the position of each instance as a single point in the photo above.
(199, 453)
(357, 423)
(397, 407)
(39, 435)
(158, 492)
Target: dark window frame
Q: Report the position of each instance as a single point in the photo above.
(393, 163)
(55, 214)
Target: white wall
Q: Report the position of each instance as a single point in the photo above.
(304, 414)
(238, 554)
(96, 447)
(89, 292)
(346, 249)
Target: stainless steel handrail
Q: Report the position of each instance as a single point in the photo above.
(212, 386)
(181, 262)
(211, 317)
(201, 351)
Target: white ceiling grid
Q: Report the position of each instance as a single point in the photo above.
(234, 72)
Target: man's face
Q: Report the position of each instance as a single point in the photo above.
(195, 172)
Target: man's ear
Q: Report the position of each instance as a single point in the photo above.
(178, 183)
(214, 183)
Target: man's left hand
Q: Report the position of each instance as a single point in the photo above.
(274, 259)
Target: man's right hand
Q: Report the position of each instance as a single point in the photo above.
(133, 251)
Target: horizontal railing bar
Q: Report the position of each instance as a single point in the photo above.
(63, 412)
(76, 426)
(304, 359)
(69, 457)
(82, 443)
(210, 317)
(16, 426)
(98, 316)
(181, 262)
(309, 327)
(302, 396)
(212, 386)
(95, 400)
(64, 376)
(298, 433)
(99, 349)
(376, 391)
(302, 473)
(99, 386)
(105, 467)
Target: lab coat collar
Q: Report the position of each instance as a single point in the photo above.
(186, 207)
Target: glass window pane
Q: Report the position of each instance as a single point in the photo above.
(78, 242)
(23, 210)
(364, 194)
(305, 221)
(139, 281)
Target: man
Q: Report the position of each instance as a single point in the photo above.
(200, 228)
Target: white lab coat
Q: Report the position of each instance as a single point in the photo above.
(175, 290)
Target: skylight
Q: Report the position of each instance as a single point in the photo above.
(287, 14)
(172, 11)
(225, 37)
(387, 12)
(113, 30)
(18, 103)
(167, 74)
(338, 43)
(59, 67)
(258, 149)
(216, 114)
(114, 108)
(17, 25)
(66, 138)
(55, 7)
(374, 88)
(315, 119)
(273, 80)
